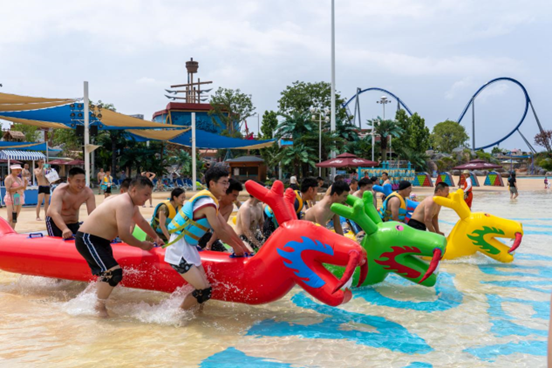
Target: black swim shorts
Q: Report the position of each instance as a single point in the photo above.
(107, 190)
(217, 245)
(417, 225)
(44, 189)
(182, 267)
(53, 230)
(96, 251)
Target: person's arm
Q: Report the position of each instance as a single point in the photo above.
(152, 176)
(90, 202)
(163, 221)
(436, 224)
(394, 206)
(223, 230)
(141, 222)
(54, 211)
(337, 224)
(124, 223)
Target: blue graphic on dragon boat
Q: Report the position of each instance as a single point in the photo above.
(340, 325)
(234, 358)
(447, 295)
(296, 263)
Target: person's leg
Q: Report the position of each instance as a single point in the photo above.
(102, 293)
(39, 203)
(9, 208)
(197, 278)
(46, 204)
(17, 210)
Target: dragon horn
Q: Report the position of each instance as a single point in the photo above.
(289, 199)
(355, 213)
(273, 197)
(368, 198)
(456, 202)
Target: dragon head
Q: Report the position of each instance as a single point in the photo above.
(478, 231)
(303, 248)
(393, 246)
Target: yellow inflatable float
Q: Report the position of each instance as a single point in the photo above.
(477, 231)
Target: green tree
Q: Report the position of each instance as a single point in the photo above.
(269, 124)
(416, 135)
(448, 135)
(385, 129)
(497, 149)
(300, 96)
(544, 139)
(297, 156)
(230, 106)
(31, 133)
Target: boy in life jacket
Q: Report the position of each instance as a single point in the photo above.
(195, 218)
(107, 182)
(467, 188)
(394, 206)
(210, 240)
(165, 211)
(309, 187)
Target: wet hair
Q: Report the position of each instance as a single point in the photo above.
(76, 171)
(125, 184)
(215, 173)
(141, 181)
(354, 180)
(364, 182)
(320, 178)
(308, 183)
(234, 185)
(440, 186)
(339, 187)
(374, 179)
(338, 178)
(385, 173)
(176, 192)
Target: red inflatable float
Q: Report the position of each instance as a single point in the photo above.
(294, 254)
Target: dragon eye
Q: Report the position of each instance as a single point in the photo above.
(399, 227)
(487, 215)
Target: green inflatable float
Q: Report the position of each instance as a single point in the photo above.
(391, 246)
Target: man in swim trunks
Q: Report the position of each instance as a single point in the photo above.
(210, 240)
(512, 184)
(62, 218)
(113, 218)
(426, 214)
(196, 217)
(321, 213)
(43, 189)
(100, 178)
(249, 222)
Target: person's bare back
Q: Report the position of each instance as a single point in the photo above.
(249, 219)
(103, 221)
(69, 202)
(321, 212)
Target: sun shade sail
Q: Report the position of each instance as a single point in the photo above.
(7, 98)
(161, 135)
(37, 123)
(208, 140)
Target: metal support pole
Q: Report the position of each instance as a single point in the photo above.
(332, 124)
(86, 135)
(194, 164)
(373, 137)
(319, 142)
(473, 124)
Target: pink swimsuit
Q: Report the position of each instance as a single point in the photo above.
(8, 197)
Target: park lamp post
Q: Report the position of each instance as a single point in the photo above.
(384, 101)
(318, 110)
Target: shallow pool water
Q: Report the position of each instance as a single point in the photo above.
(480, 314)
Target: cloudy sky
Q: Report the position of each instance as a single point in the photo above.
(434, 55)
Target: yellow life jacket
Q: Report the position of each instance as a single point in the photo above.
(155, 217)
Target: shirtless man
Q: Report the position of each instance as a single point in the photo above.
(321, 213)
(426, 215)
(365, 185)
(150, 176)
(113, 218)
(26, 174)
(100, 178)
(249, 221)
(210, 240)
(43, 189)
(62, 218)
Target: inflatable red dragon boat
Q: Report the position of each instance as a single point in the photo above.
(294, 254)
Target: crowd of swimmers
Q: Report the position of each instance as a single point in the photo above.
(185, 227)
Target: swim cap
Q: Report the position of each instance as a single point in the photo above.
(404, 184)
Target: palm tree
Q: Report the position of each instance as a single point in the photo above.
(385, 129)
(297, 155)
(297, 125)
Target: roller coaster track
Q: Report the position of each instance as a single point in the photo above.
(471, 103)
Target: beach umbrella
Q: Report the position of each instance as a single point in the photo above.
(477, 165)
(347, 160)
(58, 162)
(76, 162)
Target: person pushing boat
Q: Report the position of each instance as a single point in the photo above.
(113, 218)
(62, 218)
(426, 214)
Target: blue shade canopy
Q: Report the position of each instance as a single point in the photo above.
(21, 155)
(208, 140)
(26, 146)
